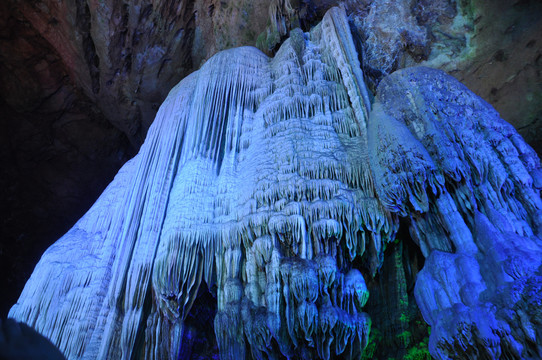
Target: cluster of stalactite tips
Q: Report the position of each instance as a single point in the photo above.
(278, 183)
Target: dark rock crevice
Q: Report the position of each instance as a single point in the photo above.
(82, 20)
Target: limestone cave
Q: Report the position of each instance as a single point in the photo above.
(271, 179)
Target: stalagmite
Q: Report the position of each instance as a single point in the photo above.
(278, 183)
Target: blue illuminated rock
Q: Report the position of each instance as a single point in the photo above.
(471, 187)
(278, 183)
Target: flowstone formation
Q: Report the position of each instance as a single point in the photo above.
(471, 188)
(273, 182)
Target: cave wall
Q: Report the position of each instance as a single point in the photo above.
(82, 81)
(503, 62)
(58, 151)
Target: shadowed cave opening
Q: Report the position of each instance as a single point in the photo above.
(198, 339)
(398, 328)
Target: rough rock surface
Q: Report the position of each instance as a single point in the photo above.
(470, 186)
(503, 62)
(62, 142)
(491, 46)
(278, 185)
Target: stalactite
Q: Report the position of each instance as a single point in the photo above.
(278, 183)
(468, 183)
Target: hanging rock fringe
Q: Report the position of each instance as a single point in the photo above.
(268, 179)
